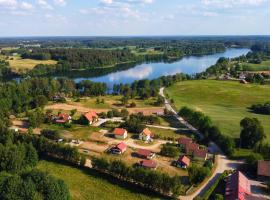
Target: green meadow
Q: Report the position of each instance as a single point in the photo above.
(226, 102)
(88, 185)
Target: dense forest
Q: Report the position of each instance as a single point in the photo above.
(19, 179)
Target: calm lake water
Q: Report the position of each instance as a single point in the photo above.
(188, 65)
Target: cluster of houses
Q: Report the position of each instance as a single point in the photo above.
(64, 118)
(144, 154)
(191, 149)
(146, 135)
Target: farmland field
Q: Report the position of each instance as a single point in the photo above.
(225, 102)
(18, 64)
(85, 185)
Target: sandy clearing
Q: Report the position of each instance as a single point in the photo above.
(82, 109)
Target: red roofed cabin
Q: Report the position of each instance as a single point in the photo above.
(191, 147)
(183, 162)
(146, 135)
(237, 187)
(120, 133)
(183, 141)
(91, 117)
(200, 154)
(145, 154)
(119, 149)
(63, 118)
(149, 164)
(263, 168)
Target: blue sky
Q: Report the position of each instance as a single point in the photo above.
(134, 17)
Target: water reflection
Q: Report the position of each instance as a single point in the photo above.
(189, 65)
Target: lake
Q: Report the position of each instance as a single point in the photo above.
(188, 65)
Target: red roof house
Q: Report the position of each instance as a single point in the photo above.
(146, 154)
(237, 187)
(91, 116)
(191, 147)
(119, 149)
(263, 168)
(120, 133)
(183, 141)
(150, 164)
(146, 135)
(200, 154)
(183, 161)
(63, 118)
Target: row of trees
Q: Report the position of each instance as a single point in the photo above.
(148, 88)
(204, 124)
(152, 180)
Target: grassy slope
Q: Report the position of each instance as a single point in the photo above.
(264, 66)
(87, 186)
(225, 102)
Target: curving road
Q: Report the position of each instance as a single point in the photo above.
(223, 163)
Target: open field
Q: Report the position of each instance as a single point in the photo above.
(111, 101)
(75, 132)
(87, 185)
(18, 64)
(264, 66)
(226, 102)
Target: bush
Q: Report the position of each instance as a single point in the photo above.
(50, 134)
(197, 174)
(169, 150)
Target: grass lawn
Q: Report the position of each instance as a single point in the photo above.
(166, 133)
(88, 185)
(18, 64)
(111, 101)
(75, 132)
(226, 102)
(264, 66)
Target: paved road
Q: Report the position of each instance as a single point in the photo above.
(223, 163)
(101, 121)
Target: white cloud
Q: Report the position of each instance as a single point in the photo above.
(44, 5)
(8, 4)
(118, 9)
(210, 14)
(232, 3)
(26, 6)
(60, 2)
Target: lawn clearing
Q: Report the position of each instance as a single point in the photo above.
(18, 64)
(110, 101)
(226, 102)
(263, 66)
(75, 132)
(88, 185)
